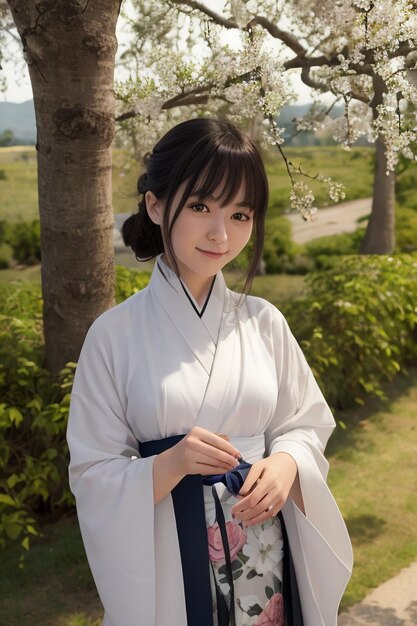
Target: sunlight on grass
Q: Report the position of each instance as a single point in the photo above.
(79, 619)
(373, 478)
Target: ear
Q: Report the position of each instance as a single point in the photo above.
(154, 208)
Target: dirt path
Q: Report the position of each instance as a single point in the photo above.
(341, 218)
(394, 603)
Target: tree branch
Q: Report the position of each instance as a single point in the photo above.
(197, 95)
(176, 101)
(277, 33)
(310, 82)
(218, 19)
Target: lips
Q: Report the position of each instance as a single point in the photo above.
(214, 255)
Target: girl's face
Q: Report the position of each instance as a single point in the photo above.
(205, 236)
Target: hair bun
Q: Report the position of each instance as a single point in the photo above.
(143, 183)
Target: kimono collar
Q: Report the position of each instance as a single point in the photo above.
(199, 326)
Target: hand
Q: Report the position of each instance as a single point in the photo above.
(202, 452)
(265, 489)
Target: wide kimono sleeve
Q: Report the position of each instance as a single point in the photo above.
(301, 426)
(112, 486)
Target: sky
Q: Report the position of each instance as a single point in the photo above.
(19, 87)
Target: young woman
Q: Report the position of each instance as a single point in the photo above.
(187, 380)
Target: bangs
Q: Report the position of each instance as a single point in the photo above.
(220, 171)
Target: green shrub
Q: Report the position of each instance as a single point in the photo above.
(5, 232)
(334, 245)
(406, 229)
(21, 299)
(357, 324)
(34, 411)
(128, 282)
(33, 415)
(6, 256)
(24, 238)
(281, 254)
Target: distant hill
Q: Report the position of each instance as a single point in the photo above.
(293, 111)
(20, 119)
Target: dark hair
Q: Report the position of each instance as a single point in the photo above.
(207, 154)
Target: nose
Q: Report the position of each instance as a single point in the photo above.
(218, 231)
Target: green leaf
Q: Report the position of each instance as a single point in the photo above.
(15, 416)
(5, 499)
(25, 543)
(12, 529)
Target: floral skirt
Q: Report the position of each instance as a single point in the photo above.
(256, 556)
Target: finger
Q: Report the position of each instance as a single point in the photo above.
(225, 437)
(249, 512)
(216, 456)
(207, 465)
(201, 463)
(265, 515)
(218, 442)
(252, 479)
(250, 501)
(265, 505)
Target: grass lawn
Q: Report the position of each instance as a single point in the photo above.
(18, 183)
(19, 196)
(373, 473)
(374, 479)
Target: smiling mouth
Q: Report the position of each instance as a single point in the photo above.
(210, 253)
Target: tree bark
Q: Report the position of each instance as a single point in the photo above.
(70, 46)
(380, 233)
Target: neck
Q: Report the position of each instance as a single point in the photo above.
(199, 290)
(198, 286)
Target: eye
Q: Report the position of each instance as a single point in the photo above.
(241, 217)
(198, 207)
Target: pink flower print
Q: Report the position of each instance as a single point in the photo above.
(273, 613)
(236, 536)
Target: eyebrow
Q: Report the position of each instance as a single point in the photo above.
(245, 204)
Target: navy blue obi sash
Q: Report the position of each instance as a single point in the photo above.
(188, 501)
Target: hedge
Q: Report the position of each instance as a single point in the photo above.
(356, 325)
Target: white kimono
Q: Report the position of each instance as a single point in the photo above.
(151, 367)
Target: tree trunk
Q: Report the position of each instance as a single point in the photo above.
(70, 47)
(380, 233)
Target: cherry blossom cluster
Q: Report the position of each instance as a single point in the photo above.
(364, 52)
(302, 200)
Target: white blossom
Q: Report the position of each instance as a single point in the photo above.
(302, 200)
